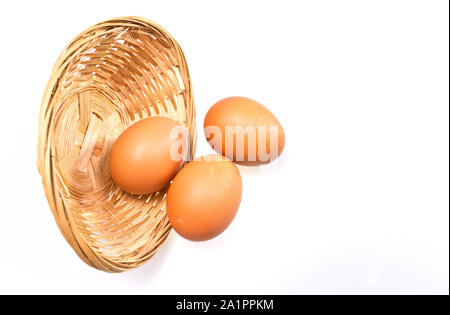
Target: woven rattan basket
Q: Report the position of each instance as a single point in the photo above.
(107, 78)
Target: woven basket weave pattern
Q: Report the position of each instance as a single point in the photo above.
(110, 76)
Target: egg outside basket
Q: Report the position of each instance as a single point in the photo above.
(111, 75)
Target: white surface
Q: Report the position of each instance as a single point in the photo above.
(358, 202)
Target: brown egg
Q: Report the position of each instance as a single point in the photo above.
(204, 197)
(148, 154)
(244, 131)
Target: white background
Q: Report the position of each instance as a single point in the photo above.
(358, 202)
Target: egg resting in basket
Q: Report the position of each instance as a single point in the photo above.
(111, 75)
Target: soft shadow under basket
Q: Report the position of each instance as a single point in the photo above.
(111, 75)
